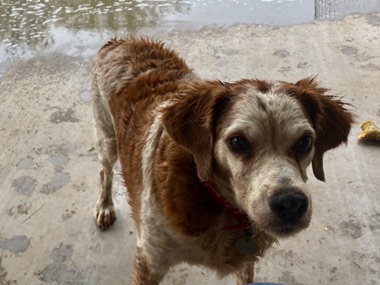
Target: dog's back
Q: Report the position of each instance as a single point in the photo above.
(130, 76)
(133, 68)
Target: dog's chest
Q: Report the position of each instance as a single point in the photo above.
(215, 248)
(221, 250)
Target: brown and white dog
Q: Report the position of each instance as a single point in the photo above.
(215, 171)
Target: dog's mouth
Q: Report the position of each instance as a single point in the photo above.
(282, 230)
(279, 227)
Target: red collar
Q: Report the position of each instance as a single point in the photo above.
(244, 222)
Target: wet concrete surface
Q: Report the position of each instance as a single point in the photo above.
(49, 171)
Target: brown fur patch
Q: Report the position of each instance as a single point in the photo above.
(157, 72)
(184, 202)
(328, 115)
(191, 118)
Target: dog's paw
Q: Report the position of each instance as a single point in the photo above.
(104, 215)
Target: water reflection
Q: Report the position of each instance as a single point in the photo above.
(27, 21)
(27, 25)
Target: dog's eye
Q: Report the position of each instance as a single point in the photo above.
(304, 143)
(239, 144)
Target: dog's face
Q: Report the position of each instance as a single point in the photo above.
(264, 145)
(256, 140)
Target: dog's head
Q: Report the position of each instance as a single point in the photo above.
(255, 139)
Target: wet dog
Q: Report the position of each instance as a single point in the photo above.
(215, 171)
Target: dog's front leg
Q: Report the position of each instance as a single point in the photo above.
(147, 271)
(107, 154)
(246, 274)
(105, 210)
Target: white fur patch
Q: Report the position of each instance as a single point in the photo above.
(154, 240)
(154, 134)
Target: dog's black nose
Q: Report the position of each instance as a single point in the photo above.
(289, 205)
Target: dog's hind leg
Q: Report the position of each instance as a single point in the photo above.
(107, 154)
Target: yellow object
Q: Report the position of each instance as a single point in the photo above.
(369, 131)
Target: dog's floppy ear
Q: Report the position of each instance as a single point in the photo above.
(329, 117)
(190, 120)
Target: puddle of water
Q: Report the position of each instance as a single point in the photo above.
(76, 26)
(34, 23)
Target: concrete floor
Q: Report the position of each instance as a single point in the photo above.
(49, 175)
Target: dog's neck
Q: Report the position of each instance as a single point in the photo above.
(244, 224)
